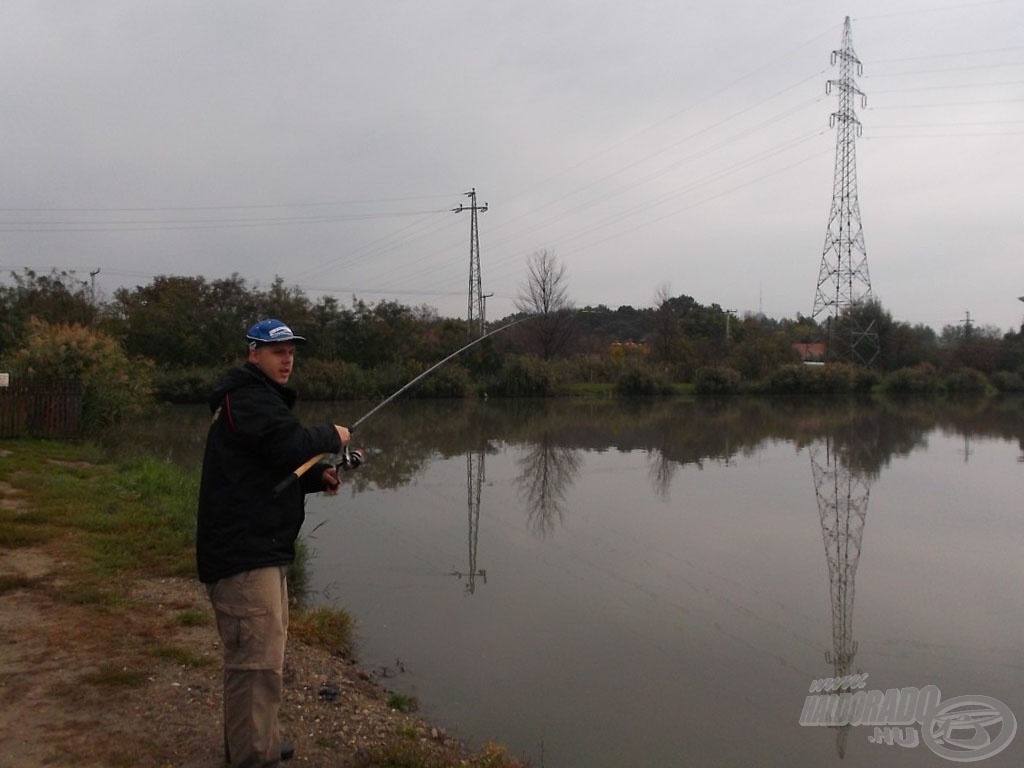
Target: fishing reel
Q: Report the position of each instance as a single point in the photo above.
(349, 458)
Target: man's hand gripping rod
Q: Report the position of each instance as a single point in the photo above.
(352, 459)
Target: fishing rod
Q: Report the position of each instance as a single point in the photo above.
(351, 459)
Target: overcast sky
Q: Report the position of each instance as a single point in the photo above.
(648, 145)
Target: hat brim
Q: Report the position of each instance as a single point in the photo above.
(264, 342)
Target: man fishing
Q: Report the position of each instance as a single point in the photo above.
(246, 532)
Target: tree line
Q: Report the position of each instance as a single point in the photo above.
(185, 329)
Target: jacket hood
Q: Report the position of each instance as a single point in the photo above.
(243, 376)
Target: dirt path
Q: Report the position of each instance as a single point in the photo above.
(88, 686)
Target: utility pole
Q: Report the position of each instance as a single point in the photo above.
(843, 280)
(968, 327)
(475, 313)
(483, 311)
(92, 285)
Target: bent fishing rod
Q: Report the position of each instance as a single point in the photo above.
(352, 459)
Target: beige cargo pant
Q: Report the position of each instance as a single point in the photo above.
(252, 619)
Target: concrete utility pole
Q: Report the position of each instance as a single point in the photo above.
(475, 313)
(92, 285)
(843, 280)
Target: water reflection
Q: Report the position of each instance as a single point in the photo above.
(402, 440)
(842, 492)
(545, 473)
(475, 463)
(647, 576)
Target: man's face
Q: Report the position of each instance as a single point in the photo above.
(275, 360)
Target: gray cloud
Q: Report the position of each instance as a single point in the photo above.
(645, 144)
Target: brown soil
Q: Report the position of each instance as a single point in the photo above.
(88, 686)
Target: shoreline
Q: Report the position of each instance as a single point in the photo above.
(94, 689)
(121, 667)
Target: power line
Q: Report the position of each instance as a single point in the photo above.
(226, 207)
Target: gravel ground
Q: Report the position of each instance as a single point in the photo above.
(81, 685)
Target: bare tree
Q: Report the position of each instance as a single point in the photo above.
(545, 295)
(666, 329)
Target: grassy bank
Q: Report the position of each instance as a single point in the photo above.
(111, 526)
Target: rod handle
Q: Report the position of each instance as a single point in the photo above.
(297, 473)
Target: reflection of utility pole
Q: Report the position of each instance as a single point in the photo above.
(842, 494)
(474, 487)
(728, 316)
(475, 314)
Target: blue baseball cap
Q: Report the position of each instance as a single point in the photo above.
(271, 331)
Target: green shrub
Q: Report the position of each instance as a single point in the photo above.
(919, 380)
(789, 380)
(1007, 381)
(640, 382)
(523, 377)
(865, 380)
(331, 380)
(447, 381)
(185, 385)
(966, 381)
(116, 387)
(716, 380)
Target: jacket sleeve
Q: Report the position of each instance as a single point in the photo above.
(264, 422)
(312, 481)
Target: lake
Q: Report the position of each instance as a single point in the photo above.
(604, 583)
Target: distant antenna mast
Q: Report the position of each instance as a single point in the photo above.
(843, 281)
(475, 313)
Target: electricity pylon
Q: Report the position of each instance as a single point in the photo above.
(475, 315)
(842, 493)
(843, 280)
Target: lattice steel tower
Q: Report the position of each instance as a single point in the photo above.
(475, 315)
(843, 281)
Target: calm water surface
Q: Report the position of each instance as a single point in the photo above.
(606, 585)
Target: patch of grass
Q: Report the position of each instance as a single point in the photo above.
(114, 521)
(181, 656)
(589, 389)
(112, 676)
(193, 618)
(11, 582)
(403, 702)
(92, 593)
(402, 753)
(298, 573)
(406, 752)
(14, 535)
(330, 628)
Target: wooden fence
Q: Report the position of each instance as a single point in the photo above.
(41, 408)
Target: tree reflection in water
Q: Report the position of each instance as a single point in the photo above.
(546, 471)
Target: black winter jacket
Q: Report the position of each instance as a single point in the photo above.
(254, 442)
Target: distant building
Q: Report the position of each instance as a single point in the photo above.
(811, 353)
